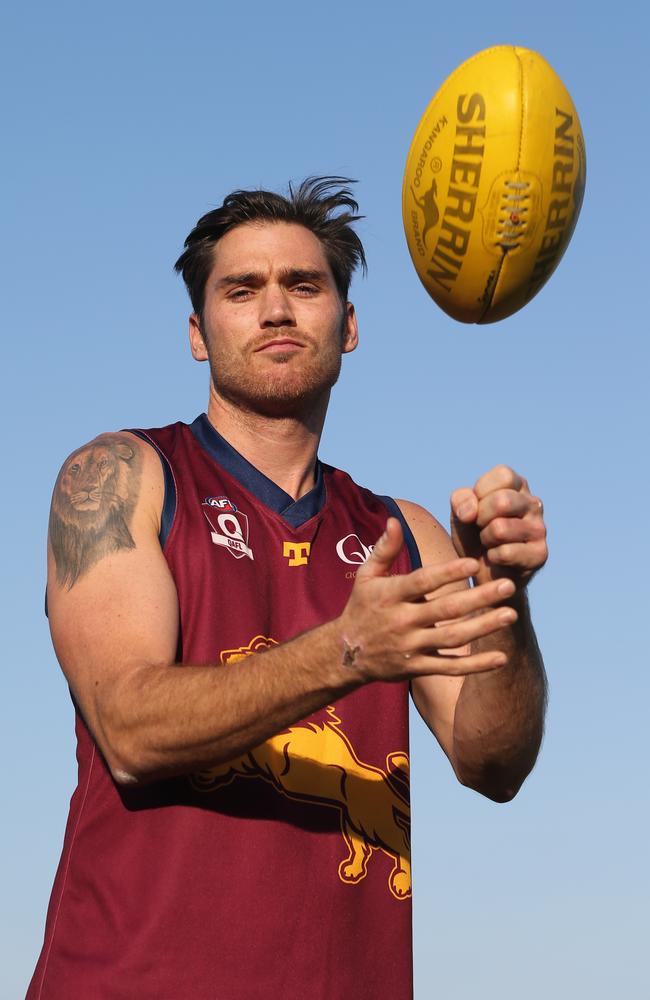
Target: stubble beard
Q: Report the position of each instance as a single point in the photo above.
(284, 385)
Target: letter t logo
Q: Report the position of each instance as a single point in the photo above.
(297, 553)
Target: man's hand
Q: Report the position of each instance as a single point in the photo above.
(501, 524)
(397, 627)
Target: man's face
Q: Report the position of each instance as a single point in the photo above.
(274, 327)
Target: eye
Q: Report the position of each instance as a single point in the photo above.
(305, 289)
(239, 294)
(74, 469)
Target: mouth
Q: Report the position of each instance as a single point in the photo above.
(84, 503)
(280, 344)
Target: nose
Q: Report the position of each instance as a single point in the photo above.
(275, 307)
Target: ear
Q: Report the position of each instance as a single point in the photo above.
(124, 451)
(350, 330)
(197, 343)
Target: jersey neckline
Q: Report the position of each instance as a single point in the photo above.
(294, 512)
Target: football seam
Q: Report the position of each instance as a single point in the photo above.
(521, 106)
(495, 284)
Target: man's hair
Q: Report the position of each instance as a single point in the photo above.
(320, 204)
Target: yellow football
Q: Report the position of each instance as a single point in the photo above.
(493, 184)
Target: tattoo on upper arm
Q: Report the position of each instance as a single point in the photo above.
(93, 503)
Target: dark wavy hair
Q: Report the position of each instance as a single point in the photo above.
(324, 205)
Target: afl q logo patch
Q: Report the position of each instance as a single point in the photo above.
(229, 526)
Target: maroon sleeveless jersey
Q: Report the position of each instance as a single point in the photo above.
(285, 872)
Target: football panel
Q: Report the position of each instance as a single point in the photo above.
(552, 155)
(470, 131)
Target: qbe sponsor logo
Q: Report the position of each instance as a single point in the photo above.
(352, 550)
(229, 528)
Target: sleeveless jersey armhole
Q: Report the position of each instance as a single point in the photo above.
(411, 544)
(169, 502)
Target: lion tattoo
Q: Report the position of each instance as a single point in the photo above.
(92, 507)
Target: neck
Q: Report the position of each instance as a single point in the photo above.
(283, 448)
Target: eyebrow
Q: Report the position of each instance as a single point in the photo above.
(287, 276)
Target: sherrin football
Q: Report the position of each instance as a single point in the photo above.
(493, 184)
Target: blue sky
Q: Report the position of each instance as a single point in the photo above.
(123, 123)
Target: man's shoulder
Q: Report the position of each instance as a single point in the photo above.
(104, 455)
(121, 444)
(108, 491)
(114, 464)
(419, 518)
(432, 538)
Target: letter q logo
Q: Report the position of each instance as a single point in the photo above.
(231, 533)
(230, 526)
(351, 550)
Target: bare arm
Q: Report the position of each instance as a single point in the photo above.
(499, 721)
(114, 620)
(490, 725)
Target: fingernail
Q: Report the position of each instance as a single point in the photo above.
(507, 616)
(464, 510)
(505, 588)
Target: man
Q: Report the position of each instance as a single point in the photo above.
(240, 653)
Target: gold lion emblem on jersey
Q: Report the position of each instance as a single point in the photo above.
(373, 802)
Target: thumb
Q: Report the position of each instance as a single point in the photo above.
(464, 532)
(385, 551)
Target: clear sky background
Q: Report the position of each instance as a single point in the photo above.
(121, 124)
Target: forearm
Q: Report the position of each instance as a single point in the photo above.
(499, 717)
(165, 720)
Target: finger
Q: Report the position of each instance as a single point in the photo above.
(384, 552)
(461, 603)
(464, 534)
(522, 556)
(504, 530)
(459, 632)
(456, 666)
(499, 478)
(426, 580)
(464, 505)
(503, 503)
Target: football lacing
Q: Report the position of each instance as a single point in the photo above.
(512, 215)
